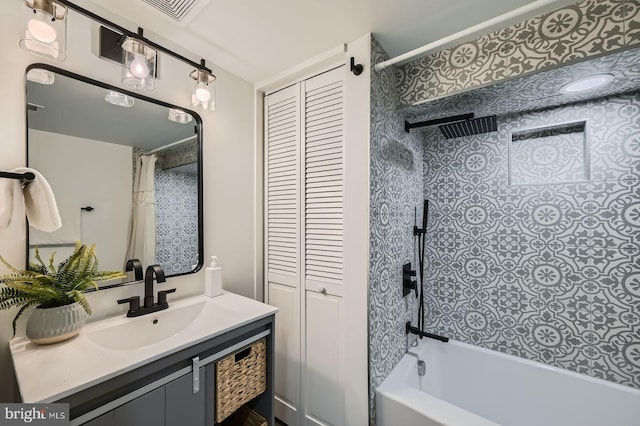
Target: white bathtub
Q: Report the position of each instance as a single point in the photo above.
(469, 386)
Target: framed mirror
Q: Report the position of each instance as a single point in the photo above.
(126, 171)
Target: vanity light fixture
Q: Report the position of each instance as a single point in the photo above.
(45, 34)
(119, 99)
(139, 70)
(179, 116)
(204, 94)
(40, 76)
(587, 83)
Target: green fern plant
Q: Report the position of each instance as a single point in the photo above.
(49, 286)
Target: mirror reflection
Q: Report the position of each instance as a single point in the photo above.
(125, 171)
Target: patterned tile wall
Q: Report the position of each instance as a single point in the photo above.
(396, 189)
(176, 221)
(548, 272)
(589, 28)
(184, 153)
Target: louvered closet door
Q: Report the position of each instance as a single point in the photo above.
(323, 135)
(283, 244)
(324, 182)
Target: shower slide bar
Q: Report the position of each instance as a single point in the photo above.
(415, 330)
(509, 18)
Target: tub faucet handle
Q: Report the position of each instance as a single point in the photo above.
(408, 284)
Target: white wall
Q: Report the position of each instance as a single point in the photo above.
(85, 172)
(228, 160)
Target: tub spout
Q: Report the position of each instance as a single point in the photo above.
(422, 366)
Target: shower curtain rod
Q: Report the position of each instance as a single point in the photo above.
(500, 21)
(171, 144)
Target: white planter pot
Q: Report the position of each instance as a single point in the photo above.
(53, 325)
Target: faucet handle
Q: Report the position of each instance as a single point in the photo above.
(162, 295)
(134, 303)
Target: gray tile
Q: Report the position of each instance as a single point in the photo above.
(632, 22)
(615, 214)
(537, 44)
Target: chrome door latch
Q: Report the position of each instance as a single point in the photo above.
(195, 363)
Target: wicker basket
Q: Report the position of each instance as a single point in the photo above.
(240, 377)
(245, 417)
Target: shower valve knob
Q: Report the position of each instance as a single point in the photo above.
(408, 284)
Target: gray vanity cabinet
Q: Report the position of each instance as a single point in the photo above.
(144, 410)
(163, 392)
(174, 404)
(183, 407)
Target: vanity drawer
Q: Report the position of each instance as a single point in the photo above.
(240, 377)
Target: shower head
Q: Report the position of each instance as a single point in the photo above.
(475, 126)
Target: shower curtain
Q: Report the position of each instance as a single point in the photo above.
(142, 234)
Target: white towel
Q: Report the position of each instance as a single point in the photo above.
(36, 199)
(69, 233)
(12, 226)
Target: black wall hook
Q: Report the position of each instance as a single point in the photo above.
(356, 69)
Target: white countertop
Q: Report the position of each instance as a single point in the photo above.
(50, 372)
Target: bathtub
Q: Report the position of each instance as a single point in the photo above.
(466, 385)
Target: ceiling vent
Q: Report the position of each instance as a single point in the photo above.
(181, 11)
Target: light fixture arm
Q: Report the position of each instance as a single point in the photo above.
(139, 35)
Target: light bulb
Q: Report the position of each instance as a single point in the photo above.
(203, 94)
(139, 67)
(41, 31)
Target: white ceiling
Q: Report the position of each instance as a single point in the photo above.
(75, 108)
(256, 39)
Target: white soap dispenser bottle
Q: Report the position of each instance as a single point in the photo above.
(213, 279)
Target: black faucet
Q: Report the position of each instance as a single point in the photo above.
(134, 265)
(148, 283)
(135, 310)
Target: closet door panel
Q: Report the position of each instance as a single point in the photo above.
(283, 244)
(323, 388)
(287, 352)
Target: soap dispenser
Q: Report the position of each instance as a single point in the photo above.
(213, 279)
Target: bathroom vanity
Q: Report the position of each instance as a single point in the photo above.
(158, 369)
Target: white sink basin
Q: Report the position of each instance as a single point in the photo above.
(133, 333)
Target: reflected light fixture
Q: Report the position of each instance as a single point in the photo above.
(41, 76)
(119, 99)
(204, 94)
(45, 34)
(586, 84)
(139, 68)
(179, 116)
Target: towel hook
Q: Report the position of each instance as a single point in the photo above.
(356, 69)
